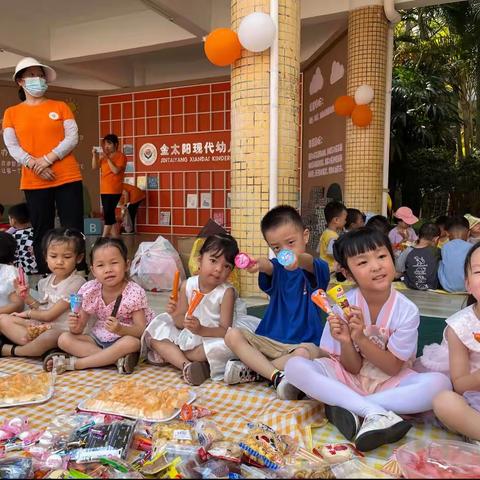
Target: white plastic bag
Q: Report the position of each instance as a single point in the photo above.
(127, 223)
(155, 264)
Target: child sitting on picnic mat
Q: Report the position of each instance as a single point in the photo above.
(291, 324)
(9, 300)
(459, 356)
(371, 347)
(36, 330)
(193, 340)
(120, 310)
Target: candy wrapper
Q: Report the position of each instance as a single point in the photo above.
(286, 258)
(176, 284)
(194, 412)
(319, 298)
(337, 452)
(243, 260)
(338, 296)
(207, 432)
(34, 330)
(264, 447)
(225, 451)
(194, 302)
(75, 302)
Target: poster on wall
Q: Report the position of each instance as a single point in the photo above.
(324, 134)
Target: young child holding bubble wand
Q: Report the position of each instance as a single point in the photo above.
(370, 348)
(36, 330)
(190, 335)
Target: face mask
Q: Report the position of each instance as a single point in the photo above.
(35, 86)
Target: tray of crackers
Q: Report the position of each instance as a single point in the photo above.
(26, 388)
(134, 399)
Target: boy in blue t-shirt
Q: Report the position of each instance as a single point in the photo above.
(291, 325)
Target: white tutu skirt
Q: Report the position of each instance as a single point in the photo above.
(435, 358)
(218, 354)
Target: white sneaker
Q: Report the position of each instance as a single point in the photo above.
(237, 372)
(286, 391)
(346, 421)
(379, 429)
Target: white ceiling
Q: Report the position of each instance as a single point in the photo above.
(111, 44)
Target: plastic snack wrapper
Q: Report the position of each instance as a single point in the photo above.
(337, 452)
(36, 329)
(337, 294)
(179, 433)
(207, 432)
(306, 469)
(176, 284)
(319, 298)
(16, 467)
(76, 302)
(227, 451)
(357, 469)
(194, 412)
(243, 260)
(286, 257)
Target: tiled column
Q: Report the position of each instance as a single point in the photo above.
(250, 130)
(367, 51)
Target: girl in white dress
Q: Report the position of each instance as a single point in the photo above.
(194, 343)
(459, 356)
(9, 301)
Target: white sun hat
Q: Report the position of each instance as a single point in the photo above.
(26, 62)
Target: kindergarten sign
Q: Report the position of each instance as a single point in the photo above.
(197, 151)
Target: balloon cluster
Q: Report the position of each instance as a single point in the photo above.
(256, 33)
(357, 108)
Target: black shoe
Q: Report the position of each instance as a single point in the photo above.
(345, 420)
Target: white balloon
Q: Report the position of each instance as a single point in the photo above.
(256, 32)
(363, 95)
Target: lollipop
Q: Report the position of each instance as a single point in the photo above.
(319, 298)
(196, 299)
(243, 260)
(75, 302)
(176, 282)
(286, 257)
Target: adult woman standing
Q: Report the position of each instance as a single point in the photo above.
(112, 165)
(40, 134)
(132, 198)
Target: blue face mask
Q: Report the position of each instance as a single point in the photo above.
(35, 86)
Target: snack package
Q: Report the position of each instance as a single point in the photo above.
(357, 469)
(194, 302)
(16, 467)
(75, 302)
(337, 294)
(243, 260)
(306, 469)
(176, 284)
(36, 329)
(286, 257)
(319, 298)
(337, 452)
(264, 447)
(207, 432)
(228, 451)
(194, 412)
(179, 433)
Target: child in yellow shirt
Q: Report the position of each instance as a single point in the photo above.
(336, 216)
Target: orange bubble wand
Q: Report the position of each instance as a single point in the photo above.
(196, 299)
(176, 283)
(319, 298)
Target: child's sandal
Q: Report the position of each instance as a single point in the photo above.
(62, 363)
(195, 373)
(127, 364)
(48, 357)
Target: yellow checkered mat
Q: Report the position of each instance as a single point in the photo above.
(235, 405)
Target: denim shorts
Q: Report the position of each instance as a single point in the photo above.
(101, 343)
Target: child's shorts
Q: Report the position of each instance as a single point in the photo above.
(274, 349)
(101, 343)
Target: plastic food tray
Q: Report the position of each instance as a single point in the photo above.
(47, 397)
(81, 406)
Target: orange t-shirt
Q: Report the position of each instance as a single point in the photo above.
(135, 194)
(112, 182)
(39, 129)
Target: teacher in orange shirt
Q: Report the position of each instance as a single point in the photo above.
(132, 197)
(40, 135)
(111, 163)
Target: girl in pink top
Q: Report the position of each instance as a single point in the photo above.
(368, 351)
(119, 312)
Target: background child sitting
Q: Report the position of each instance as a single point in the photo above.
(450, 270)
(9, 301)
(19, 218)
(474, 232)
(441, 223)
(336, 216)
(419, 263)
(355, 219)
(403, 232)
(380, 223)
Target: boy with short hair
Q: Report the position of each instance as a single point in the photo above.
(291, 325)
(420, 262)
(19, 218)
(335, 216)
(451, 269)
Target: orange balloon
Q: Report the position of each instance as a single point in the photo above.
(344, 105)
(362, 116)
(222, 47)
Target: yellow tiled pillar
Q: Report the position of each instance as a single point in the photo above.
(250, 130)
(367, 52)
